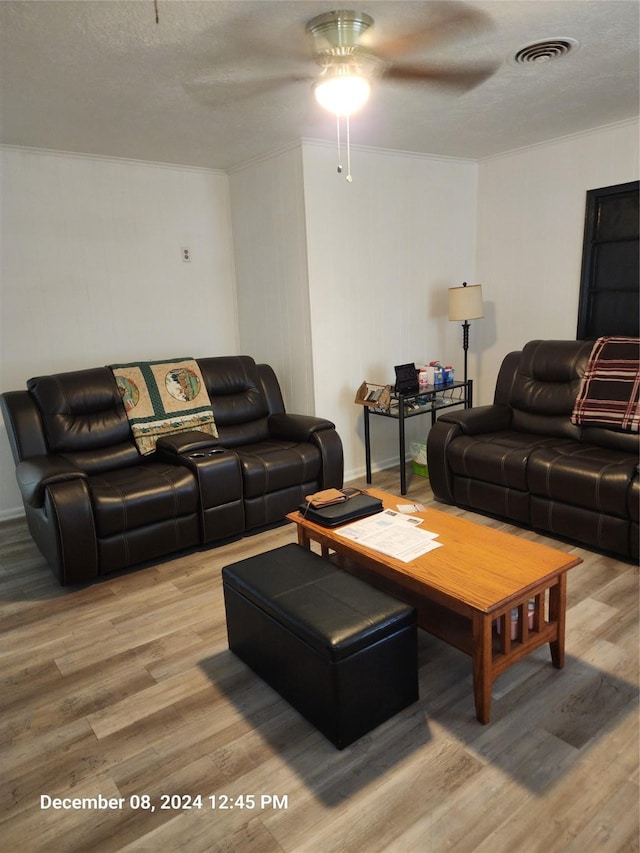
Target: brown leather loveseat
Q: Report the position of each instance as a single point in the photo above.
(95, 505)
(523, 458)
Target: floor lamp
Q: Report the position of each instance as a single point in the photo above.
(465, 303)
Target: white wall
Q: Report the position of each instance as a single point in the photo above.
(382, 252)
(91, 268)
(338, 282)
(268, 219)
(530, 230)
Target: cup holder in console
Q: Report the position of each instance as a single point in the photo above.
(203, 455)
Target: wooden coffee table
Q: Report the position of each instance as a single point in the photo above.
(464, 592)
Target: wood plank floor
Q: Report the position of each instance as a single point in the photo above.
(125, 690)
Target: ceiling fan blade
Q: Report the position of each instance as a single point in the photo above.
(449, 21)
(212, 91)
(453, 78)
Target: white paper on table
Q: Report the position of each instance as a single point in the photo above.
(393, 534)
(409, 508)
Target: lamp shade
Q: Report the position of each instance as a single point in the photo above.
(465, 303)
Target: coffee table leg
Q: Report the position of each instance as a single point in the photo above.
(557, 614)
(482, 666)
(303, 539)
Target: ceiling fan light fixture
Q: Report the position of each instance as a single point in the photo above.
(343, 94)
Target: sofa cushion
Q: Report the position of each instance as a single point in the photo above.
(626, 442)
(546, 385)
(492, 498)
(499, 457)
(583, 475)
(128, 498)
(595, 529)
(84, 419)
(239, 405)
(274, 465)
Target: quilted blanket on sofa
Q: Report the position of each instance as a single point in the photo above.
(610, 387)
(163, 398)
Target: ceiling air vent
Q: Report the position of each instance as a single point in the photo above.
(545, 51)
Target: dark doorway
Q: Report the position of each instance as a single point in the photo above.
(609, 285)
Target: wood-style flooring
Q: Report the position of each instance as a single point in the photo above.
(123, 697)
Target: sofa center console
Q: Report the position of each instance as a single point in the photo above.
(219, 477)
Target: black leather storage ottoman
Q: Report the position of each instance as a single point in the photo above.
(341, 652)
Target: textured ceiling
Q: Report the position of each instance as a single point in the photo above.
(217, 83)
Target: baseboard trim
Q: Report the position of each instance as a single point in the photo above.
(383, 465)
(11, 514)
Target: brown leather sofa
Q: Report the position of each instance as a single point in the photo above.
(95, 505)
(523, 459)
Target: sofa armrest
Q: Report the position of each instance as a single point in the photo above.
(296, 427)
(24, 425)
(66, 531)
(329, 444)
(450, 425)
(318, 431)
(482, 419)
(58, 507)
(38, 472)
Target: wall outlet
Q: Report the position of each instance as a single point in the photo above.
(186, 254)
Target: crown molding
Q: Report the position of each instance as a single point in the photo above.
(103, 158)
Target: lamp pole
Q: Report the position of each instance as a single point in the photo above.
(465, 344)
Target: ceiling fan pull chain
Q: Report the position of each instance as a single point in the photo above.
(338, 135)
(349, 178)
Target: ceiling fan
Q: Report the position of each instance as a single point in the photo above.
(344, 43)
(350, 61)
(349, 66)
